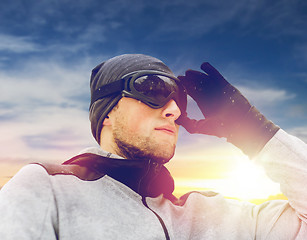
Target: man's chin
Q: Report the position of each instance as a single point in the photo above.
(164, 156)
(157, 156)
(158, 152)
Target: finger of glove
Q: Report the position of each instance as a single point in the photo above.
(187, 83)
(182, 78)
(204, 126)
(194, 82)
(213, 73)
(193, 74)
(192, 77)
(190, 125)
(209, 69)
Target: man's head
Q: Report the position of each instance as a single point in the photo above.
(135, 130)
(127, 126)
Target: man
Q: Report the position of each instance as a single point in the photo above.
(123, 191)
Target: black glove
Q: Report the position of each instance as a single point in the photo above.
(227, 112)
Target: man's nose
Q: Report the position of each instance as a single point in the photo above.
(171, 110)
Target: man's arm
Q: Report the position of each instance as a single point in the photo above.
(27, 206)
(228, 114)
(285, 161)
(284, 158)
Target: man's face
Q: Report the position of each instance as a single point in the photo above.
(141, 132)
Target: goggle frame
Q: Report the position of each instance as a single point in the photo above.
(126, 86)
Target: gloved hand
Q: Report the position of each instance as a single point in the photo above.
(227, 112)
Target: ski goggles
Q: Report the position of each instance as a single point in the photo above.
(154, 88)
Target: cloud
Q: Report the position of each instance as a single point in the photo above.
(265, 96)
(288, 17)
(17, 44)
(29, 45)
(186, 19)
(300, 132)
(190, 19)
(46, 132)
(262, 88)
(48, 82)
(297, 111)
(73, 26)
(44, 108)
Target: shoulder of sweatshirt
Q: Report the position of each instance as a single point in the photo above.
(28, 179)
(28, 206)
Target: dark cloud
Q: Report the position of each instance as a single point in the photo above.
(91, 21)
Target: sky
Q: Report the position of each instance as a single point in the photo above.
(48, 49)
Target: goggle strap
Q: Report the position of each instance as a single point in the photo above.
(107, 90)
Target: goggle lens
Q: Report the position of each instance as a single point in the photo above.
(153, 86)
(156, 90)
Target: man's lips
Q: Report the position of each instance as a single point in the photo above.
(167, 129)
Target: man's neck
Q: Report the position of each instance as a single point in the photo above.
(100, 151)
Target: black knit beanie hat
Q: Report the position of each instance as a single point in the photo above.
(110, 71)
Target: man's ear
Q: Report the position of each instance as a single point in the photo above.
(107, 121)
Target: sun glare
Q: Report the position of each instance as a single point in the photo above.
(245, 181)
(248, 181)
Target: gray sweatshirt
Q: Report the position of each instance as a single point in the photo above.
(37, 205)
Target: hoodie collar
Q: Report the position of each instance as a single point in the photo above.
(147, 178)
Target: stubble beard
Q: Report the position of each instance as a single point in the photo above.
(135, 147)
